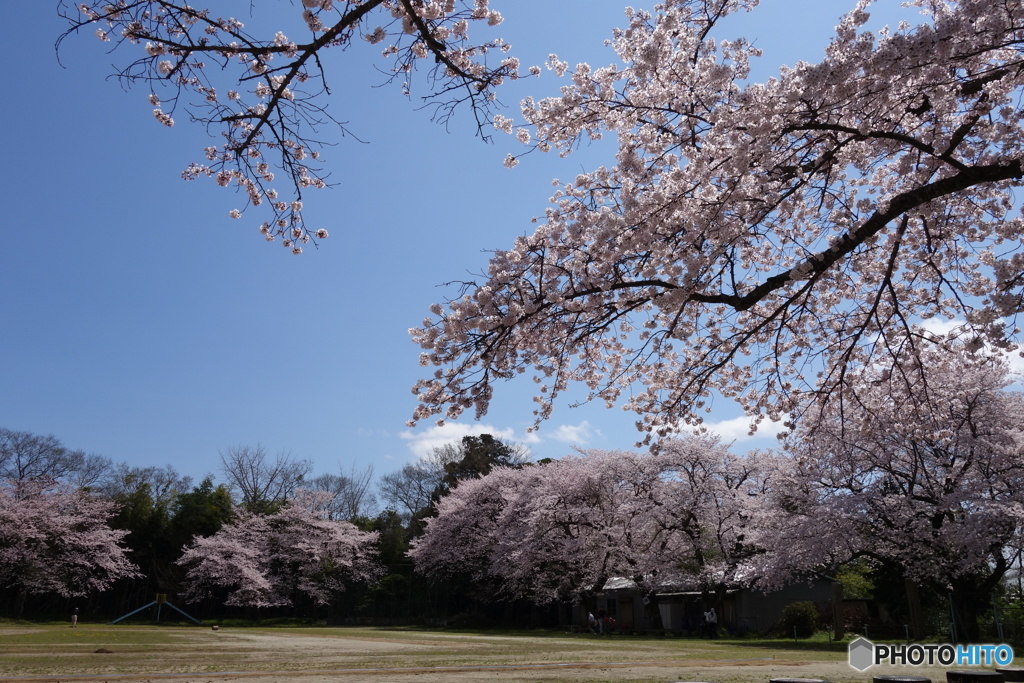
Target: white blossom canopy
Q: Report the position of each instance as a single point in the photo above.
(754, 240)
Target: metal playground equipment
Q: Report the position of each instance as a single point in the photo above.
(160, 600)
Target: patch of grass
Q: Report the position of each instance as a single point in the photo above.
(819, 642)
(84, 635)
(141, 651)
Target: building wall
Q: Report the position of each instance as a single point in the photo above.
(742, 611)
(758, 611)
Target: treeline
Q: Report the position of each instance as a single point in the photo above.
(914, 490)
(110, 536)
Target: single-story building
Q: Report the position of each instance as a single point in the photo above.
(742, 610)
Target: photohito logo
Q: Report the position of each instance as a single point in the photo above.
(865, 654)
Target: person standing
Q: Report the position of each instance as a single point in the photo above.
(74, 618)
(712, 620)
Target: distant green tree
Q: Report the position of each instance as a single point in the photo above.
(479, 455)
(392, 539)
(399, 593)
(857, 580)
(199, 512)
(472, 457)
(144, 496)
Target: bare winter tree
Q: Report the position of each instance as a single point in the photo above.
(163, 484)
(409, 489)
(352, 494)
(262, 483)
(91, 470)
(26, 457)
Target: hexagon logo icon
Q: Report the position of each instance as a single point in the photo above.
(862, 654)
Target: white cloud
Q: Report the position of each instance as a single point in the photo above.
(575, 435)
(423, 443)
(1016, 364)
(944, 327)
(738, 429)
(940, 327)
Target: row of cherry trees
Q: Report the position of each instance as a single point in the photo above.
(921, 472)
(775, 243)
(559, 531)
(63, 541)
(77, 527)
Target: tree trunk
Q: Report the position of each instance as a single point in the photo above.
(838, 614)
(653, 611)
(967, 605)
(19, 602)
(914, 609)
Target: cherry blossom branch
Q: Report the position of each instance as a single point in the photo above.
(754, 242)
(255, 100)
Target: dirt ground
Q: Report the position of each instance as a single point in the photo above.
(594, 672)
(334, 655)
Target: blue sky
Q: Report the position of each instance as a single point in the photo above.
(140, 322)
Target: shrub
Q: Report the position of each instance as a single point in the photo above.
(800, 618)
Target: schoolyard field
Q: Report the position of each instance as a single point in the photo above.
(130, 654)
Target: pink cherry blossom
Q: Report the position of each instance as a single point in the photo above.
(267, 560)
(752, 241)
(558, 531)
(921, 467)
(56, 539)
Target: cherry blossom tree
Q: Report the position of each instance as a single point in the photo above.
(461, 539)
(560, 530)
(267, 96)
(753, 241)
(922, 469)
(270, 560)
(713, 500)
(56, 539)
